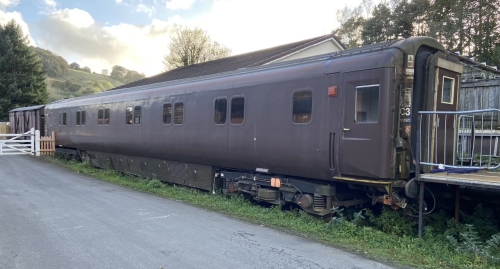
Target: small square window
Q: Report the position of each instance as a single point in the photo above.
(367, 103)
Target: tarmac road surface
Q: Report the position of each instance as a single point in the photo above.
(51, 217)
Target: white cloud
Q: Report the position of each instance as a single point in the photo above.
(75, 17)
(180, 4)
(6, 3)
(74, 35)
(245, 26)
(6, 17)
(150, 10)
(50, 3)
(118, 1)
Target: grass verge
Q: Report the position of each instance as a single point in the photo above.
(393, 247)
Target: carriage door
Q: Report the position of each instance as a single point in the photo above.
(364, 142)
(445, 99)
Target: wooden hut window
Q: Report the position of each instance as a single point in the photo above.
(448, 85)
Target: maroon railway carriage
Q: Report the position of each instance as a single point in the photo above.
(317, 132)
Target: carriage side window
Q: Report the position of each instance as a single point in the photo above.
(178, 113)
(367, 99)
(302, 106)
(78, 121)
(137, 115)
(448, 86)
(220, 111)
(64, 119)
(237, 110)
(106, 116)
(167, 113)
(83, 118)
(128, 115)
(100, 116)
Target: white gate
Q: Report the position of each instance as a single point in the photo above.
(26, 143)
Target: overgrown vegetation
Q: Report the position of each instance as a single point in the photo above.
(76, 83)
(387, 236)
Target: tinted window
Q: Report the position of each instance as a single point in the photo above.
(178, 113)
(64, 118)
(137, 115)
(167, 113)
(106, 116)
(83, 118)
(78, 118)
(128, 115)
(302, 106)
(100, 116)
(220, 111)
(237, 110)
(367, 103)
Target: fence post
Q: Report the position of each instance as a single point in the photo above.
(37, 142)
(32, 133)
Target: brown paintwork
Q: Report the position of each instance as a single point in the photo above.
(267, 138)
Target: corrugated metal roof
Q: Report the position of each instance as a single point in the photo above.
(231, 63)
(27, 108)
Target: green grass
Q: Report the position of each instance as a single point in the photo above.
(360, 233)
(77, 83)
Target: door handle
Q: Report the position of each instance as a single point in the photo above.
(346, 129)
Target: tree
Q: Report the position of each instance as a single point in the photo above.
(22, 81)
(192, 46)
(53, 65)
(132, 76)
(351, 26)
(124, 75)
(86, 69)
(74, 65)
(105, 72)
(119, 72)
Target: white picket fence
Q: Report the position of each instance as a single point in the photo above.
(15, 144)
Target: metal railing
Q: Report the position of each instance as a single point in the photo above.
(459, 139)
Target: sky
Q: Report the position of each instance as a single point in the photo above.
(135, 33)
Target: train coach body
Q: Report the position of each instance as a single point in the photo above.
(287, 132)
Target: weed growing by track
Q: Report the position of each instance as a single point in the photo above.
(388, 237)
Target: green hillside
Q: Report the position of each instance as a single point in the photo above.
(67, 81)
(76, 83)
